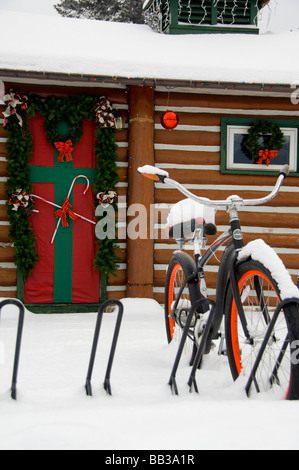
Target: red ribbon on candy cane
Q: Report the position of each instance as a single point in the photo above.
(66, 210)
(63, 215)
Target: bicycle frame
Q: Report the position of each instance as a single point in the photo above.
(226, 267)
(227, 260)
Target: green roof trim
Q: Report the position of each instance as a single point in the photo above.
(203, 16)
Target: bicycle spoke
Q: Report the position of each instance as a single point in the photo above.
(261, 299)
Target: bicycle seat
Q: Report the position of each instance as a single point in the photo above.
(186, 216)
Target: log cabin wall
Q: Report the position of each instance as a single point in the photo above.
(118, 96)
(191, 154)
(8, 270)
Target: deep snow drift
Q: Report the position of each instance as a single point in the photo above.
(92, 47)
(53, 412)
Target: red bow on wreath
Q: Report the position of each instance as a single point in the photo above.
(65, 210)
(65, 149)
(266, 156)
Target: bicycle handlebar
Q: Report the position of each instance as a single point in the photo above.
(162, 176)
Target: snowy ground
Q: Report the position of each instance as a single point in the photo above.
(53, 411)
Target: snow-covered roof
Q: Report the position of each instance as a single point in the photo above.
(49, 44)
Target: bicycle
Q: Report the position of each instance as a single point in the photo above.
(256, 298)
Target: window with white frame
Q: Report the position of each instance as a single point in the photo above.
(235, 159)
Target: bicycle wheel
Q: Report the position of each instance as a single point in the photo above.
(180, 267)
(260, 296)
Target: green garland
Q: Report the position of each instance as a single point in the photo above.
(274, 139)
(19, 149)
(55, 111)
(71, 110)
(107, 178)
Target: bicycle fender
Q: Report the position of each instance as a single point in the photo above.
(187, 262)
(259, 251)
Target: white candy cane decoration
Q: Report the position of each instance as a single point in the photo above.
(67, 200)
(61, 207)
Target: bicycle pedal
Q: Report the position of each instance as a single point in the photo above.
(183, 315)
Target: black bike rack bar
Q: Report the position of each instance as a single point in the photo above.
(252, 377)
(200, 351)
(107, 385)
(192, 382)
(19, 304)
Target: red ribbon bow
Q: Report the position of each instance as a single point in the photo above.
(65, 149)
(65, 210)
(266, 156)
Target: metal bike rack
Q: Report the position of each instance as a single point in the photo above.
(107, 385)
(192, 380)
(252, 377)
(19, 304)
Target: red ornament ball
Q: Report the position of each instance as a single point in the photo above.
(169, 120)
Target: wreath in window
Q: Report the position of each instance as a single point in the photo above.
(272, 141)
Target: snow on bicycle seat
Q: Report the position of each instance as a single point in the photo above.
(186, 216)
